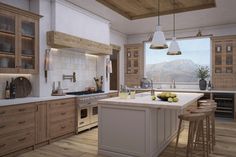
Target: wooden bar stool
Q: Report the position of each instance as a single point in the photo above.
(207, 128)
(195, 122)
(212, 123)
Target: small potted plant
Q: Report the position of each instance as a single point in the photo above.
(203, 73)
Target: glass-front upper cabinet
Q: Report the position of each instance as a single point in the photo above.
(28, 40)
(7, 41)
(19, 37)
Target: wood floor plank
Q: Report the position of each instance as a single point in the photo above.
(86, 144)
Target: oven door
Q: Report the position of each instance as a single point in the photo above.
(94, 113)
(83, 116)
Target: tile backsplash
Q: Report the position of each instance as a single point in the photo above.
(66, 62)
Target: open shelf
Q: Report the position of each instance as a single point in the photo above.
(7, 33)
(7, 54)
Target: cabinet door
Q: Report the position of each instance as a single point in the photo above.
(28, 49)
(41, 123)
(8, 55)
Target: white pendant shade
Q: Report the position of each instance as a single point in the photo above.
(158, 40)
(174, 48)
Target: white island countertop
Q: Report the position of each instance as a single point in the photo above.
(144, 100)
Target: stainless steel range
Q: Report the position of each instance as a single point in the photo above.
(88, 108)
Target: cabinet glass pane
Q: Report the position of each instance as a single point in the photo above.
(27, 45)
(27, 28)
(7, 51)
(229, 60)
(27, 54)
(218, 60)
(7, 24)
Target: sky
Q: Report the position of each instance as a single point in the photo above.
(198, 50)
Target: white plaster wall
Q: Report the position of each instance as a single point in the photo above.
(119, 39)
(75, 21)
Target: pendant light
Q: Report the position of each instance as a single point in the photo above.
(174, 46)
(158, 40)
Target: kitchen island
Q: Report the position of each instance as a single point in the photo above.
(139, 127)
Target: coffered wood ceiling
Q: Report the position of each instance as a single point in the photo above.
(138, 9)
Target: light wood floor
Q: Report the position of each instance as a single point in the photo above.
(85, 144)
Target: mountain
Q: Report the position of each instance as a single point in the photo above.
(179, 70)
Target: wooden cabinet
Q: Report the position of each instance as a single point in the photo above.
(62, 115)
(17, 127)
(27, 125)
(134, 64)
(42, 133)
(224, 62)
(19, 40)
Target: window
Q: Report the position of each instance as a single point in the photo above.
(163, 68)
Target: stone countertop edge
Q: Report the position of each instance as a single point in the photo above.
(148, 103)
(18, 101)
(186, 90)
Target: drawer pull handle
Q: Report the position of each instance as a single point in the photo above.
(2, 126)
(3, 145)
(81, 123)
(63, 103)
(3, 112)
(22, 139)
(21, 110)
(63, 113)
(22, 122)
(63, 127)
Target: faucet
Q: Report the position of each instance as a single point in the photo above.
(72, 77)
(174, 86)
(152, 90)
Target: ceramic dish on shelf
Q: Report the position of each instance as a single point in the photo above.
(27, 52)
(4, 62)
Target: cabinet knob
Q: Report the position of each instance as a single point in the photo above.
(3, 145)
(3, 112)
(22, 122)
(2, 126)
(22, 139)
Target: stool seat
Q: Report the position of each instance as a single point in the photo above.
(206, 101)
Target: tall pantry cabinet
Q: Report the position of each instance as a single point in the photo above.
(224, 62)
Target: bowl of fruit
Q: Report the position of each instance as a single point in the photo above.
(168, 96)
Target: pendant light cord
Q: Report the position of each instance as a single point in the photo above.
(158, 12)
(173, 18)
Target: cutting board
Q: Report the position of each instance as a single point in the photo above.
(23, 87)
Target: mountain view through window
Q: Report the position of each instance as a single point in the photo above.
(161, 67)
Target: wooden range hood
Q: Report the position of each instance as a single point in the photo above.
(65, 41)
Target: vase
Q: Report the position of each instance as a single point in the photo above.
(202, 84)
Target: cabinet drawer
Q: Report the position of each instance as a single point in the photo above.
(54, 105)
(18, 109)
(17, 141)
(13, 123)
(62, 127)
(62, 114)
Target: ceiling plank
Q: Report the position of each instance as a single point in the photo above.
(138, 9)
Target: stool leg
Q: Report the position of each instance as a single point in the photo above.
(178, 134)
(203, 138)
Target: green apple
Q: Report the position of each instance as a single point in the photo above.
(170, 99)
(153, 98)
(175, 99)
